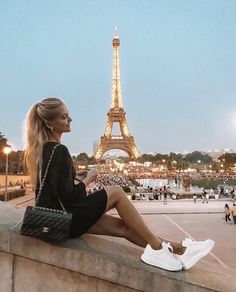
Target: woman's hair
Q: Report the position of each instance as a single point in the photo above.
(226, 206)
(37, 133)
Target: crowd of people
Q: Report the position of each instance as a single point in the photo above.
(103, 181)
(17, 183)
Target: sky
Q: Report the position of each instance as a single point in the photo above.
(177, 63)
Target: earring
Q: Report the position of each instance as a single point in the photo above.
(51, 129)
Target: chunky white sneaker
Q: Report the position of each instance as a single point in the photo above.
(161, 258)
(195, 250)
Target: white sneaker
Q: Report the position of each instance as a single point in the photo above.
(195, 250)
(161, 258)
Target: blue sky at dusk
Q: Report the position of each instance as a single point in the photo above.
(177, 62)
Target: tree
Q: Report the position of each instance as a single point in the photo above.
(197, 156)
(3, 142)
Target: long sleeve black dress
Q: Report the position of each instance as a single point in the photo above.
(86, 209)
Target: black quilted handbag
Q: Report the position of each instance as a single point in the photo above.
(44, 223)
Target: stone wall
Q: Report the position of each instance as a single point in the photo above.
(90, 263)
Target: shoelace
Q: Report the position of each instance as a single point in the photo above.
(168, 246)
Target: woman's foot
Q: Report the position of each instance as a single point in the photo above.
(195, 250)
(162, 258)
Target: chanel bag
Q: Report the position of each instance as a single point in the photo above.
(44, 223)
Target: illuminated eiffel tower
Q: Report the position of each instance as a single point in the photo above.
(116, 114)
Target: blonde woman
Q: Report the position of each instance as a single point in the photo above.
(46, 121)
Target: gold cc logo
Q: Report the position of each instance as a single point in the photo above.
(45, 229)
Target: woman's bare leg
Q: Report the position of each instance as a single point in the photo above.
(113, 226)
(117, 198)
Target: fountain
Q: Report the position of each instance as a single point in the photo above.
(186, 183)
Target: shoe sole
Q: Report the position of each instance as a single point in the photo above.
(192, 261)
(151, 262)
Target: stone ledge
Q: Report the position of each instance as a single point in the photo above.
(106, 261)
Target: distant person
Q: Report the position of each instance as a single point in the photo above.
(227, 213)
(161, 192)
(165, 198)
(133, 196)
(176, 181)
(46, 122)
(233, 212)
(204, 200)
(194, 198)
(22, 185)
(232, 193)
(221, 191)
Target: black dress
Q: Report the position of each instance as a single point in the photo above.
(86, 209)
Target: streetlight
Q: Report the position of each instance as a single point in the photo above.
(6, 151)
(174, 163)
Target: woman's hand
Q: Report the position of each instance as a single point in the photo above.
(81, 175)
(82, 172)
(91, 176)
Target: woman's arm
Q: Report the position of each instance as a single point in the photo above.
(91, 176)
(61, 178)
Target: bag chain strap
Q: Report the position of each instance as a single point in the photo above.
(43, 182)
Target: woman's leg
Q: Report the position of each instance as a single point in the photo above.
(113, 226)
(137, 228)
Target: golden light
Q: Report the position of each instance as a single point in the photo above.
(163, 160)
(222, 165)
(7, 150)
(81, 166)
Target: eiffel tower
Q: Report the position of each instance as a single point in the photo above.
(116, 114)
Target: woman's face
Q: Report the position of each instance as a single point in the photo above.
(61, 123)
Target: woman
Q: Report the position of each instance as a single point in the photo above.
(45, 123)
(227, 213)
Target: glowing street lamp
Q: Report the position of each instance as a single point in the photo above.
(6, 151)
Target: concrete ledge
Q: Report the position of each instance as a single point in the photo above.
(90, 263)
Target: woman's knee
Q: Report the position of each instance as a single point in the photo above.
(114, 195)
(115, 191)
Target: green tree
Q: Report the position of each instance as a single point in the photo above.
(196, 156)
(3, 142)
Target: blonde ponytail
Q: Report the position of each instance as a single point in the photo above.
(37, 134)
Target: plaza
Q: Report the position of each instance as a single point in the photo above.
(174, 221)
